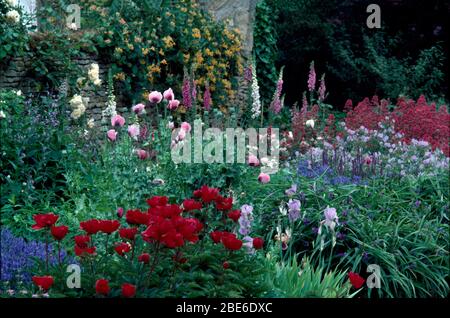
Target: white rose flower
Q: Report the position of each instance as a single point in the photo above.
(310, 123)
(13, 15)
(2, 114)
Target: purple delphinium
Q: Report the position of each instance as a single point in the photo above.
(246, 219)
(277, 104)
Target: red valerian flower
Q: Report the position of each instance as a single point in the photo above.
(234, 215)
(84, 251)
(356, 280)
(82, 240)
(128, 234)
(258, 243)
(102, 287)
(144, 258)
(224, 204)
(207, 194)
(122, 248)
(231, 242)
(91, 226)
(136, 217)
(128, 290)
(226, 265)
(109, 226)
(157, 201)
(44, 282)
(216, 236)
(44, 220)
(59, 232)
(191, 205)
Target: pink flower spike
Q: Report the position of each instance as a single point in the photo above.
(168, 95)
(155, 97)
(253, 161)
(186, 127)
(173, 104)
(133, 131)
(138, 109)
(112, 134)
(117, 120)
(142, 154)
(263, 178)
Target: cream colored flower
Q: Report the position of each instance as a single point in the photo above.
(310, 123)
(13, 16)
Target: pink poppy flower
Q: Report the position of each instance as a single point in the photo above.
(253, 161)
(117, 120)
(155, 97)
(142, 154)
(173, 104)
(112, 134)
(186, 127)
(138, 109)
(133, 131)
(263, 178)
(181, 134)
(168, 95)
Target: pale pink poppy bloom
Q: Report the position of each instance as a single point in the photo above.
(263, 178)
(155, 97)
(168, 95)
(186, 127)
(133, 131)
(253, 161)
(112, 134)
(173, 104)
(138, 109)
(142, 154)
(117, 120)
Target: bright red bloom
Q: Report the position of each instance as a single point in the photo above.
(44, 282)
(128, 234)
(59, 232)
(44, 220)
(109, 226)
(82, 240)
(102, 287)
(191, 205)
(216, 236)
(122, 248)
(136, 217)
(207, 194)
(91, 226)
(144, 258)
(234, 215)
(226, 265)
(189, 228)
(157, 201)
(84, 251)
(167, 211)
(128, 290)
(231, 242)
(258, 243)
(356, 280)
(224, 204)
(173, 239)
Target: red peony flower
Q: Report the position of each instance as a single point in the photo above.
(91, 226)
(136, 217)
(231, 242)
(216, 236)
(144, 258)
(122, 248)
(44, 220)
(44, 282)
(59, 232)
(356, 280)
(128, 234)
(224, 204)
(207, 194)
(109, 226)
(82, 240)
(226, 265)
(102, 287)
(234, 215)
(84, 251)
(128, 290)
(157, 201)
(191, 205)
(258, 243)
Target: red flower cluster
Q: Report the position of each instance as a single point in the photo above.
(44, 282)
(356, 280)
(207, 194)
(44, 220)
(94, 226)
(229, 240)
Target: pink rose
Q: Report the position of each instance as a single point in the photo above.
(263, 178)
(168, 95)
(112, 134)
(155, 97)
(117, 120)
